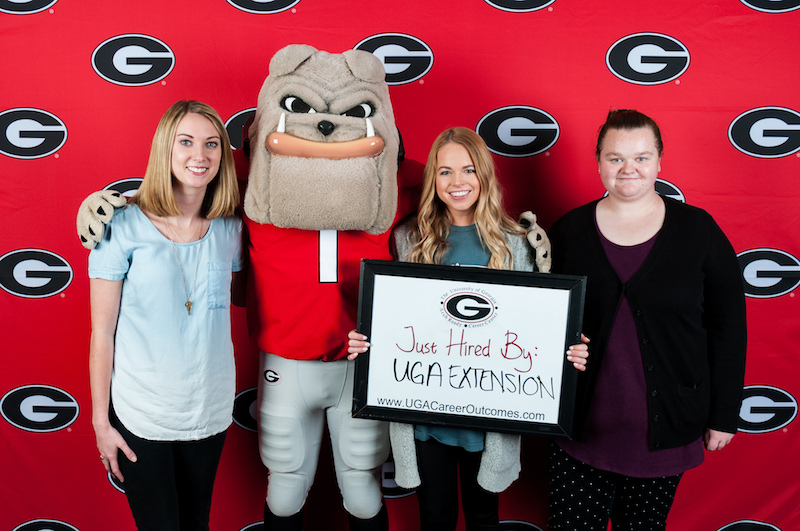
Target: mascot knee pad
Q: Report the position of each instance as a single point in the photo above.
(361, 492)
(286, 493)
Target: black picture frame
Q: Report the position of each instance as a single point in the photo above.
(471, 301)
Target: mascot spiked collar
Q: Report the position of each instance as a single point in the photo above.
(324, 144)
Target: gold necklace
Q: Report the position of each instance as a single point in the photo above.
(180, 265)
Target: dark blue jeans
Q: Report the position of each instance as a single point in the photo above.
(169, 486)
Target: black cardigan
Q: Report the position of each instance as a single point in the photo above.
(688, 303)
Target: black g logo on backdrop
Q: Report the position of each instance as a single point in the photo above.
(765, 409)
(133, 60)
(749, 525)
(236, 124)
(261, 7)
(30, 133)
(126, 187)
(519, 6)
(405, 58)
(768, 273)
(766, 132)
(772, 6)
(518, 131)
(244, 409)
(647, 58)
(39, 408)
(25, 8)
(34, 273)
(45, 525)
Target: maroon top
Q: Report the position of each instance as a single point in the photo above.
(615, 438)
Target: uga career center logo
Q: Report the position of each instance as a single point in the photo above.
(468, 308)
(39, 408)
(647, 58)
(765, 408)
(766, 132)
(30, 133)
(518, 131)
(34, 273)
(15, 7)
(768, 273)
(262, 7)
(133, 60)
(405, 58)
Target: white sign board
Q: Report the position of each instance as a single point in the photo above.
(468, 347)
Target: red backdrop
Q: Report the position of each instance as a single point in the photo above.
(83, 86)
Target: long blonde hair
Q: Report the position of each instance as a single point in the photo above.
(429, 238)
(156, 196)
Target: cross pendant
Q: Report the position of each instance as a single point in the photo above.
(189, 307)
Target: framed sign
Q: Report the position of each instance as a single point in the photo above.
(468, 347)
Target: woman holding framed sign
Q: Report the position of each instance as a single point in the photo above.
(460, 221)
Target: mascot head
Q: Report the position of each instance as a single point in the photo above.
(323, 143)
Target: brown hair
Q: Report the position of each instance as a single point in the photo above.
(627, 119)
(155, 195)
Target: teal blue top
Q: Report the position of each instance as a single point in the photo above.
(464, 249)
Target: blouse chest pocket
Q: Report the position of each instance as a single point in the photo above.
(219, 285)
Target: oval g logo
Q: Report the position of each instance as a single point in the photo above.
(25, 8)
(519, 6)
(133, 60)
(468, 307)
(34, 273)
(39, 408)
(768, 273)
(405, 58)
(30, 133)
(261, 7)
(766, 409)
(518, 131)
(647, 58)
(244, 409)
(772, 6)
(766, 132)
(45, 525)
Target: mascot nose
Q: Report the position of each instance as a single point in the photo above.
(325, 127)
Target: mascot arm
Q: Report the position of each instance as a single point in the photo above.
(94, 214)
(538, 239)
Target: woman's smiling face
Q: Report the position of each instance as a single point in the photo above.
(457, 183)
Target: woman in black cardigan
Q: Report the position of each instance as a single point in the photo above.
(666, 316)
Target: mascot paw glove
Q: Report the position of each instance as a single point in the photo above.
(94, 214)
(538, 239)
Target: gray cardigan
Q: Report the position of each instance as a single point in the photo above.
(500, 459)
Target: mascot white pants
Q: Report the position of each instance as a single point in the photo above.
(296, 398)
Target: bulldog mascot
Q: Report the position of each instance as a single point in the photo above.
(321, 195)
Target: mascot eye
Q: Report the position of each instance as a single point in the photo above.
(364, 110)
(295, 104)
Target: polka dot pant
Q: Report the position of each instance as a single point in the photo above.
(583, 498)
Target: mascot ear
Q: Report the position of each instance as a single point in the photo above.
(287, 59)
(365, 66)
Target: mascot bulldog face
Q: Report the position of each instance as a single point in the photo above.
(323, 143)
